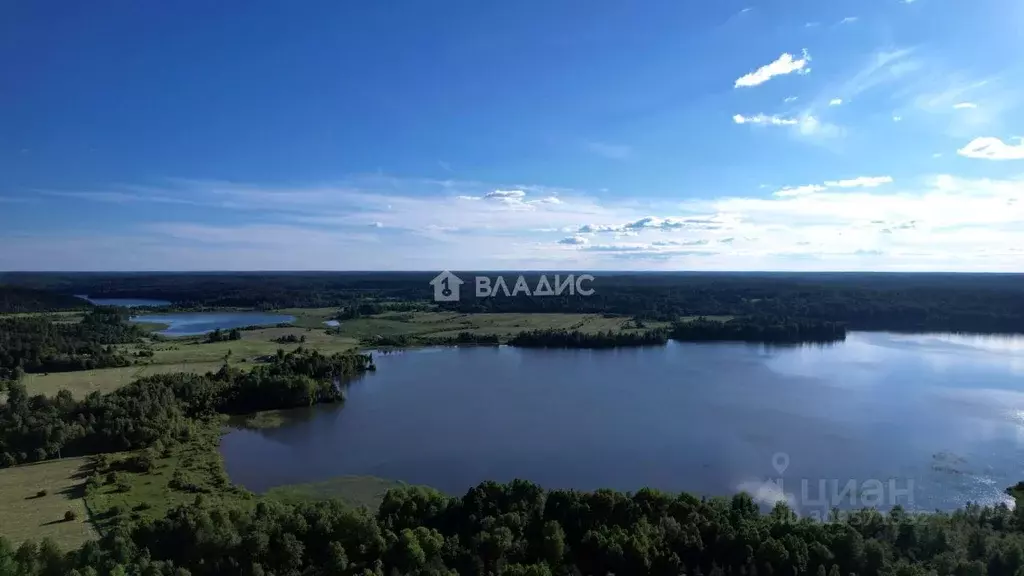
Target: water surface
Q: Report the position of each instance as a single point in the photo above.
(193, 323)
(939, 416)
(126, 302)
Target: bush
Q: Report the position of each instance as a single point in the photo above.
(70, 516)
(122, 486)
(42, 493)
(142, 462)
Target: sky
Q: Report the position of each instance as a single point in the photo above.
(536, 134)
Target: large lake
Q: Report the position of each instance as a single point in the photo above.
(193, 323)
(938, 416)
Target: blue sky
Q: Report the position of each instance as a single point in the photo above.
(726, 135)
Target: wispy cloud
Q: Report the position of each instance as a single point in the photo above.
(858, 182)
(942, 222)
(613, 151)
(989, 148)
(964, 106)
(789, 99)
(784, 64)
(765, 119)
(849, 20)
(835, 102)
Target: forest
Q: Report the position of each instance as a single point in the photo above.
(578, 339)
(758, 329)
(39, 344)
(519, 528)
(161, 407)
(15, 299)
(984, 303)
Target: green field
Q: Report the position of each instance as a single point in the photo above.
(26, 516)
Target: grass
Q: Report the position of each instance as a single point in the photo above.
(105, 380)
(198, 464)
(26, 516)
(151, 494)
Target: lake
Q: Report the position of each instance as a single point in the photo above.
(127, 302)
(935, 420)
(193, 323)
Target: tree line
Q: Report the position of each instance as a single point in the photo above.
(37, 344)
(520, 529)
(36, 428)
(218, 335)
(16, 299)
(759, 329)
(863, 301)
(579, 339)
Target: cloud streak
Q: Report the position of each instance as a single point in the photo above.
(942, 222)
(784, 64)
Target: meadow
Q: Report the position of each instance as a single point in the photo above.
(27, 512)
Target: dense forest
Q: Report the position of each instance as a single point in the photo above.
(16, 299)
(39, 344)
(520, 529)
(862, 301)
(160, 407)
(758, 329)
(577, 339)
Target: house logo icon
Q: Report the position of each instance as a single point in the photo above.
(446, 287)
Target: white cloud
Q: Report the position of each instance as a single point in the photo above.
(896, 118)
(785, 64)
(789, 99)
(859, 182)
(942, 222)
(835, 102)
(988, 148)
(849, 20)
(376, 225)
(764, 119)
(576, 240)
(505, 194)
(964, 106)
(800, 190)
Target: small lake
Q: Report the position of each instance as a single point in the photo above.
(127, 302)
(193, 323)
(938, 417)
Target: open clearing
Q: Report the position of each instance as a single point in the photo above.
(26, 516)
